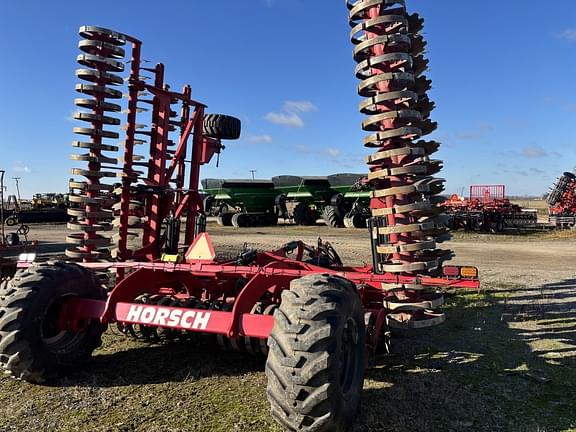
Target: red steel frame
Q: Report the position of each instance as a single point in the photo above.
(266, 278)
(238, 286)
(484, 197)
(160, 175)
(487, 193)
(391, 201)
(565, 204)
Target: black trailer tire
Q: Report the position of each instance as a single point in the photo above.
(356, 220)
(221, 126)
(359, 221)
(280, 205)
(31, 347)
(207, 204)
(225, 219)
(12, 239)
(11, 220)
(271, 219)
(332, 216)
(316, 360)
(302, 215)
(337, 200)
(241, 220)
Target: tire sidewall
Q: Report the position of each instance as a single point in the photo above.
(350, 401)
(309, 325)
(11, 221)
(57, 284)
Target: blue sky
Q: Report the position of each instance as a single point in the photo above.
(503, 81)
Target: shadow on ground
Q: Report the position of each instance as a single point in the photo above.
(155, 364)
(502, 361)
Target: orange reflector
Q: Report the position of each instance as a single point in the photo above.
(451, 271)
(470, 272)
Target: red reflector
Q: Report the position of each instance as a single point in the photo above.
(451, 271)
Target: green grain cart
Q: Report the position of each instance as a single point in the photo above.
(307, 199)
(355, 200)
(240, 202)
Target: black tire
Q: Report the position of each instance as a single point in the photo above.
(7, 271)
(31, 347)
(302, 215)
(499, 223)
(221, 126)
(332, 216)
(359, 221)
(240, 220)
(207, 204)
(12, 239)
(337, 200)
(356, 220)
(225, 219)
(271, 219)
(280, 204)
(11, 220)
(316, 360)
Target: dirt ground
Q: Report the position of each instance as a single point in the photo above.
(505, 360)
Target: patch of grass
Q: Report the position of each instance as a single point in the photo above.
(131, 386)
(474, 373)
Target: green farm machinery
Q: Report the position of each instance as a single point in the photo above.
(341, 200)
(306, 199)
(241, 202)
(356, 194)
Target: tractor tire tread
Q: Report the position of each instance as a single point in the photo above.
(302, 215)
(221, 126)
(21, 354)
(332, 216)
(302, 366)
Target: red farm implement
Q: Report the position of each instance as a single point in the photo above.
(487, 210)
(562, 202)
(318, 321)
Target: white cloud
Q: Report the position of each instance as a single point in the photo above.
(289, 119)
(302, 148)
(326, 153)
(21, 168)
(333, 152)
(530, 172)
(568, 34)
(534, 152)
(299, 106)
(291, 113)
(259, 139)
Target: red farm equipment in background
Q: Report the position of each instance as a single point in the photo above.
(299, 305)
(487, 210)
(562, 202)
